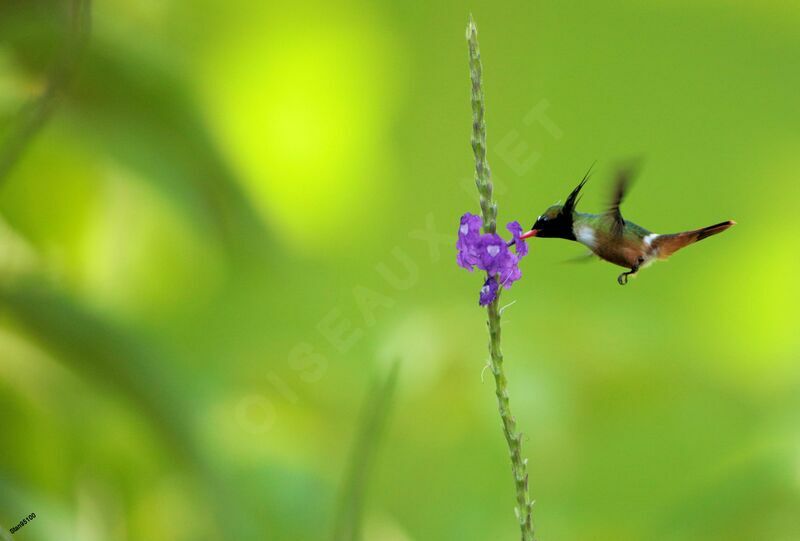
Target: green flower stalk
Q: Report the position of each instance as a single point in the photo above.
(483, 180)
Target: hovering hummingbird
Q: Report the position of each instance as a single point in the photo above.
(611, 237)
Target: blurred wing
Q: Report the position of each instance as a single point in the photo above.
(621, 185)
(585, 258)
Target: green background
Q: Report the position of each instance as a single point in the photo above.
(212, 248)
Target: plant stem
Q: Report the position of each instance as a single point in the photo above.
(35, 114)
(375, 410)
(483, 176)
(483, 180)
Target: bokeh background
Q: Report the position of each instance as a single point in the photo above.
(225, 221)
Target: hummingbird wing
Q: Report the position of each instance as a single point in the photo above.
(585, 258)
(621, 185)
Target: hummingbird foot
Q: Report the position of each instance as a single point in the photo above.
(622, 279)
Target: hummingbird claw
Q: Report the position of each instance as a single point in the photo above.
(622, 279)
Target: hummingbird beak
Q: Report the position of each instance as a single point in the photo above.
(529, 234)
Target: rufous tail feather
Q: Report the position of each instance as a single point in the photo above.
(669, 244)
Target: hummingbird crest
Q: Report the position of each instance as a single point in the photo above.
(572, 198)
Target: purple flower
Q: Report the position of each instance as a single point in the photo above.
(470, 228)
(516, 230)
(493, 253)
(490, 253)
(469, 234)
(488, 291)
(510, 275)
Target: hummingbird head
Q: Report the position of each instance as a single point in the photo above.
(556, 221)
(553, 223)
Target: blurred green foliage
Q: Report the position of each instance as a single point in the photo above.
(217, 239)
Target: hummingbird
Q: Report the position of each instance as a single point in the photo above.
(612, 238)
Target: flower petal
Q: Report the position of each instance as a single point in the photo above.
(488, 291)
(516, 230)
(493, 253)
(468, 243)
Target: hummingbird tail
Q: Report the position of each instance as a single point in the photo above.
(669, 244)
(713, 229)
